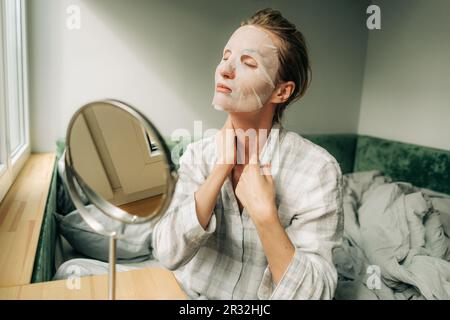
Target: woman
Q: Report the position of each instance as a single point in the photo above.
(255, 215)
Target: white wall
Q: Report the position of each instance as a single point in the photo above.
(160, 56)
(406, 91)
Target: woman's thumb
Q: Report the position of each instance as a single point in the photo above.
(254, 159)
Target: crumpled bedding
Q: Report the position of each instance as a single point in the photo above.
(396, 240)
(83, 267)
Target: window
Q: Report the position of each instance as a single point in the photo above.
(14, 133)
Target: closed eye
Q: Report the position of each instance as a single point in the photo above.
(249, 61)
(226, 54)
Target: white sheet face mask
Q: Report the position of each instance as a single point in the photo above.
(248, 68)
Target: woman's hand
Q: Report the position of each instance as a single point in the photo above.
(226, 147)
(256, 191)
(206, 195)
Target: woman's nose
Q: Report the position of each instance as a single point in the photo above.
(227, 70)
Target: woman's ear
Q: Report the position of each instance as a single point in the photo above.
(283, 92)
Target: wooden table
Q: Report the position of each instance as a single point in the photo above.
(142, 284)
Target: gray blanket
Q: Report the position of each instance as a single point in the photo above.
(396, 240)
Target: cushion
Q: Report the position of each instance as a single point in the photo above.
(134, 246)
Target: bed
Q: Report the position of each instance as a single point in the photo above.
(379, 176)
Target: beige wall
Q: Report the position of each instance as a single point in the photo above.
(406, 91)
(161, 55)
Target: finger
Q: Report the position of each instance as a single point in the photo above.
(230, 145)
(266, 169)
(269, 179)
(254, 159)
(219, 147)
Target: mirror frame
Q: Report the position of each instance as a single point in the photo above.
(106, 207)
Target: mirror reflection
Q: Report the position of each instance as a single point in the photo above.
(119, 159)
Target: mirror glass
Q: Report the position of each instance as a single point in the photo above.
(120, 159)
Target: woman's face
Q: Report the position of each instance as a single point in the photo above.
(245, 77)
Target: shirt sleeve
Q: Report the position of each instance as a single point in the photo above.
(315, 230)
(178, 234)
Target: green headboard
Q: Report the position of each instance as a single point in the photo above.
(422, 166)
(341, 146)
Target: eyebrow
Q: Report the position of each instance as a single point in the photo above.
(244, 51)
(250, 51)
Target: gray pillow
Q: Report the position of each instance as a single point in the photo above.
(135, 246)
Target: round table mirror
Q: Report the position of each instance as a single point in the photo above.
(117, 160)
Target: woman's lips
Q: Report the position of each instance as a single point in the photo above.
(223, 88)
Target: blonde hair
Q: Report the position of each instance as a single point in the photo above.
(293, 54)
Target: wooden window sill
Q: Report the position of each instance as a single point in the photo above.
(21, 215)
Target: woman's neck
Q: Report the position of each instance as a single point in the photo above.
(260, 121)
